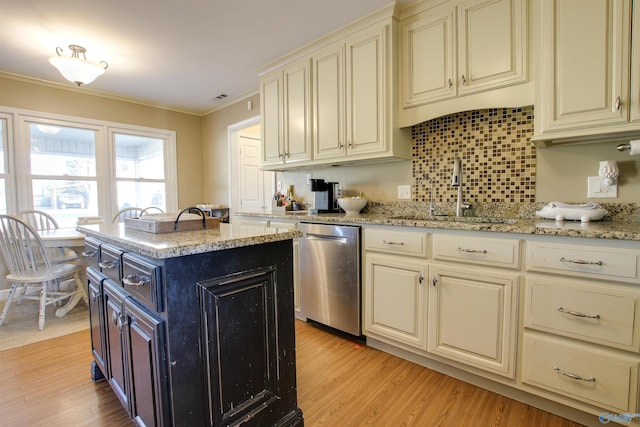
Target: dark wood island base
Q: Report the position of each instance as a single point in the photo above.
(204, 339)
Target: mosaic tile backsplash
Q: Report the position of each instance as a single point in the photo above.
(498, 158)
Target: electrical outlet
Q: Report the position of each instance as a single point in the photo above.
(597, 189)
(309, 176)
(279, 186)
(404, 192)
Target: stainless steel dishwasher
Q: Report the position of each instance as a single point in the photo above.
(329, 269)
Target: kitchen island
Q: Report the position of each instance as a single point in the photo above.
(196, 327)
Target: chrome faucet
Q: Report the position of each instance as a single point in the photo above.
(456, 181)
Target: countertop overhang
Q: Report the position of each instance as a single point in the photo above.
(530, 226)
(169, 245)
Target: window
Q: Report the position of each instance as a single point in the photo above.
(139, 170)
(63, 162)
(71, 167)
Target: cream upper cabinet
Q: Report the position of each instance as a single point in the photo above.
(492, 44)
(286, 115)
(584, 72)
(635, 67)
(462, 48)
(335, 100)
(428, 71)
(329, 132)
(349, 96)
(271, 108)
(350, 93)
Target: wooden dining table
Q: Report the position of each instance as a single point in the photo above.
(71, 239)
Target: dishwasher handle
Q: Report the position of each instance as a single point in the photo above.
(327, 237)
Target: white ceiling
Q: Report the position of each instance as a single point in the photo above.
(177, 53)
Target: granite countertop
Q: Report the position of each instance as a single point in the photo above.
(169, 245)
(531, 226)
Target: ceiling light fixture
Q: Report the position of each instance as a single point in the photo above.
(77, 69)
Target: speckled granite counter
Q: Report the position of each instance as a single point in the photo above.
(533, 226)
(169, 245)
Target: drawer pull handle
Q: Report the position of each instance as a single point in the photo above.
(89, 254)
(472, 251)
(389, 242)
(578, 314)
(574, 376)
(133, 280)
(108, 264)
(581, 261)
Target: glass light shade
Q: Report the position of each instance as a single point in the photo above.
(608, 171)
(77, 70)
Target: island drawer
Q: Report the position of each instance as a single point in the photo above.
(596, 262)
(142, 280)
(470, 249)
(111, 262)
(396, 241)
(91, 252)
(595, 313)
(589, 375)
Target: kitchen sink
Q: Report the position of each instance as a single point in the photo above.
(469, 219)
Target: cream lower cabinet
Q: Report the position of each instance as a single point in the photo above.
(395, 281)
(472, 317)
(473, 293)
(580, 337)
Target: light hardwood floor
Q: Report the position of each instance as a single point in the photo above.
(340, 383)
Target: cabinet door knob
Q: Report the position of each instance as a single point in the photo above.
(434, 281)
(617, 104)
(450, 84)
(464, 80)
(90, 254)
(420, 278)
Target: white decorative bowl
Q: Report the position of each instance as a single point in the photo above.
(352, 205)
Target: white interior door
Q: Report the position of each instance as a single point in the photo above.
(254, 185)
(251, 178)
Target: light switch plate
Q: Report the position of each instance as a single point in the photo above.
(404, 192)
(597, 189)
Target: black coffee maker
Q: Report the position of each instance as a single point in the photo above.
(325, 196)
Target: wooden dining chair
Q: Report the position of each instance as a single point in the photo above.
(127, 213)
(29, 264)
(41, 220)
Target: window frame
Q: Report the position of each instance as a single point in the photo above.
(18, 155)
(9, 163)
